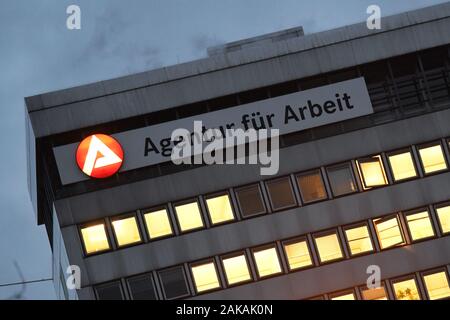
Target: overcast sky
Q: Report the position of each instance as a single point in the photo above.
(38, 54)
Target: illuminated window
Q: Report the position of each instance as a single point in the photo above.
(110, 291)
(142, 288)
(436, 285)
(173, 282)
(358, 239)
(432, 158)
(328, 246)
(95, 238)
(406, 289)
(311, 186)
(205, 276)
(297, 253)
(236, 269)
(250, 200)
(419, 225)
(374, 293)
(443, 214)
(126, 231)
(219, 209)
(280, 193)
(402, 165)
(347, 295)
(158, 223)
(189, 216)
(389, 232)
(372, 172)
(267, 262)
(341, 179)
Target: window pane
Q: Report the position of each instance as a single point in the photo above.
(219, 209)
(141, 288)
(311, 187)
(432, 158)
(126, 231)
(328, 247)
(359, 240)
(419, 225)
(250, 201)
(94, 238)
(402, 165)
(347, 296)
(173, 282)
(189, 216)
(444, 218)
(374, 294)
(389, 232)
(437, 285)
(298, 254)
(158, 223)
(281, 194)
(341, 179)
(109, 291)
(205, 277)
(236, 269)
(406, 290)
(267, 262)
(372, 172)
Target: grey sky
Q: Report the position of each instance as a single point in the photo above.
(38, 54)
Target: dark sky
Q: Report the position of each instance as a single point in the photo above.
(39, 54)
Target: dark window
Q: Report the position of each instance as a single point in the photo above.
(142, 288)
(173, 282)
(311, 186)
(341, 179)
(250, 200)
(109, 291)
(281, 193)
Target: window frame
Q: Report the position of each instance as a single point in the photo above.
(122, 289)
(295, 240)
(208, 213)
(142, 275)
(414, 160)
(377, 234)
(262, 248)
(437, 206)
(411, 276)
(236, 190)
(430, 272)
(343, 293)
(323, 234)
(107, 233)
(408, 229)
(352, 172)
(200, 262)
(269, 196)
(363, 288)
(143, 212)
(361, 175)
(371, 237)
(418, 147)
(188, 201)
(247, 261)
(309, 172)
(125, 216)
(186, 281)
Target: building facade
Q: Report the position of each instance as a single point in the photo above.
(356, 195)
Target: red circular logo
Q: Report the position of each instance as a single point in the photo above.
(99, 156)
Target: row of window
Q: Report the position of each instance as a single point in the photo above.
(306, 251)
(249, 201)
(430, 285)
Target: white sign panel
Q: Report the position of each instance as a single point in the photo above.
(289, 113)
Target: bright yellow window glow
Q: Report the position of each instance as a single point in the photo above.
(298, 255)
(372, 172)
(444, 218)
(328, 247)
(205, 277)
(267, 262)
(236, 269)
(406, 290)
(158, 223)
(419, 225)
(432, 159)
(402, 165)
(94, 238)
(126, 231)
(189, 216)
(374, 294)
(348, 296)
(220, 209)
(437, 285)
(389, 233)
(359, 240)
